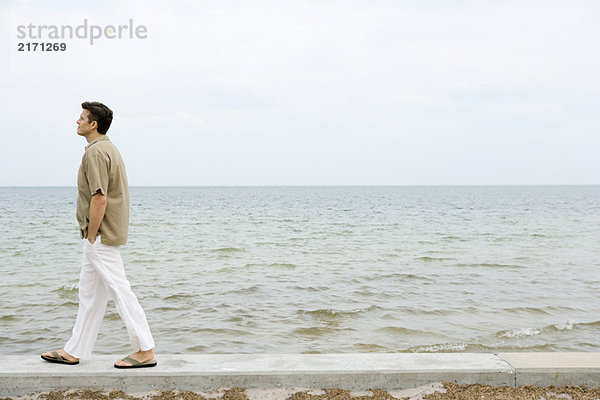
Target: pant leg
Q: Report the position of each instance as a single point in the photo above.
(109, 266)
(93, 298)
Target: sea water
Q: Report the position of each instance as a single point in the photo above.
(318, 269)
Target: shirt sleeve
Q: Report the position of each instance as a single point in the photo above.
(97, 173)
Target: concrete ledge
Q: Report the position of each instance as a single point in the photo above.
(23, 374)
(558, 369)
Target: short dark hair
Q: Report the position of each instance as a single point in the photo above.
(100, 113)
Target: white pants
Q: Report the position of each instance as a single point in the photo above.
(103, 278)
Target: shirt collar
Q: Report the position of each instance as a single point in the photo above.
(103, 137)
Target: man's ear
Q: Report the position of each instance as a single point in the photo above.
(94, 125)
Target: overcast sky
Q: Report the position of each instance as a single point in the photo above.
(311, 92)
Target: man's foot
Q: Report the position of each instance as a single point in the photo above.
(62, 353)
(140, 356)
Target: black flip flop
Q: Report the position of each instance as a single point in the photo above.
(136, 363)
(59, 359)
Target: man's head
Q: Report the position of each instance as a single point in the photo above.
(95, 117)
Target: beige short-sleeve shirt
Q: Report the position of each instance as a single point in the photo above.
(102, 170)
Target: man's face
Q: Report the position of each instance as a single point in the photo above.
(83, 126)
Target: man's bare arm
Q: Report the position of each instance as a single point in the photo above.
(97, 210)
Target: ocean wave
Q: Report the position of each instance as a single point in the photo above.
(595, 324)
(439, 348)
(311, 288)
(370, 347)
(491, 265)
(397, 275)
(112, 316)
(179, 296)
(272, 265)
(478, 347)
(196, 349)
(283, 265)
(523, 348)
(67, 289)
(165, 308)
(245, 290)
(228, 250)
(218, 331)
(391, 255)
(528, 310)
(313, 331)
(567, 326)
(69, 304)
(433, 259)
(540, 235)
(330, 313)
(399, 330)
(520, 332)
(452, 237)
(552, 328)
(417, 312)
(370, 293)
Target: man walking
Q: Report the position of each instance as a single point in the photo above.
(103, 216)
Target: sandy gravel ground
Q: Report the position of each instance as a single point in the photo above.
(434, 391)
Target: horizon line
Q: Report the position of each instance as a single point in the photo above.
(326, 185)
